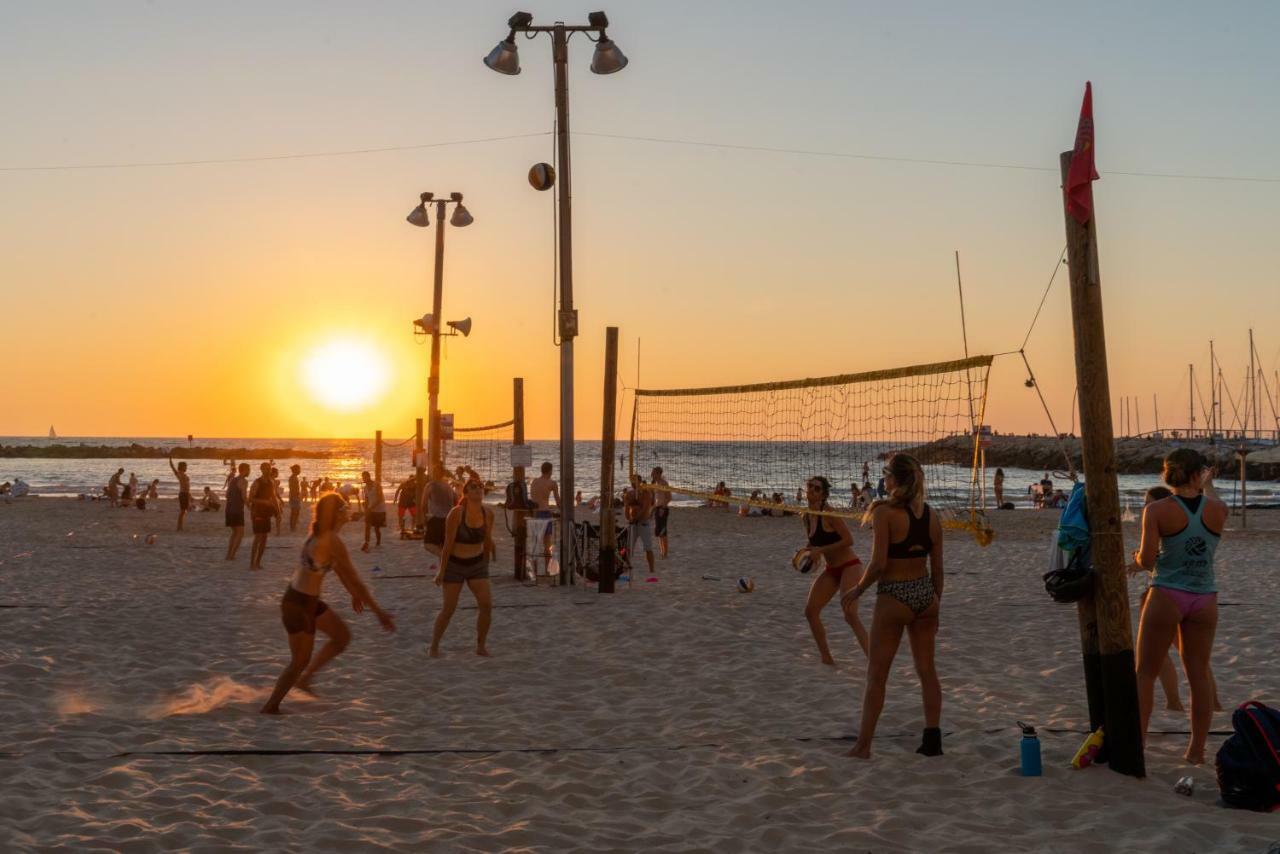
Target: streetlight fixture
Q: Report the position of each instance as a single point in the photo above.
(430, 324)
(505, 59)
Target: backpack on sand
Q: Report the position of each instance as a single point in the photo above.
(1248, 763)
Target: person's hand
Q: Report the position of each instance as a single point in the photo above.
(357, 604)
(438, 581)
(387, 621)
(1206, 477)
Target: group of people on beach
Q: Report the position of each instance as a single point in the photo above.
(1182, 525)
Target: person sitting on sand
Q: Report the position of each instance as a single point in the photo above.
(303, 611)
(1179, 537)
(829, 538)
(468, 547)
(907, 536)
(209, 501)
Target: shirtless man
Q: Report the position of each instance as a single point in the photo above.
(375, 509)
(184, 489)
(661, 509)
(639, 511)
(237, 497)
(541, 491)
(264, 507)
(296, 491)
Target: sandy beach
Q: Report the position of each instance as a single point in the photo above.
(675, 716)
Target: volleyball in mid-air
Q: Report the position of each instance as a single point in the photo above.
(746, 585)
(542, 176)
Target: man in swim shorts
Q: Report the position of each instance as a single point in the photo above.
(184, 489)
(439, 498)
(541, 491)
(296, 491)
(375, 509)
(661, 509)
(639, 511)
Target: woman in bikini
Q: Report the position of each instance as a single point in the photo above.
(1179, 537)
(829, 537)
(907, 537)
(303, 611)
(468, 546)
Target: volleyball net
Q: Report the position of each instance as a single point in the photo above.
(759, 443)
(486, 450)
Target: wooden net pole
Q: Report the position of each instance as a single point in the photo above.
(517, 475)
(608, 442)
(1111, 662)
(377, 457)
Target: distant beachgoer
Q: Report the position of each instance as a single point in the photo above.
(997, 484)
(907, 536)
(638, 509)
(209, 501)
(113, 487)
(326, 486)
(866, 470)
(184, 489)
(541, 490)
(1046, 490)
(375, 510)
(404, 500)
(468, 548)
(720, 492)
(881, 492)
(439, 500)
(662, 509)
(297, 489)
(867, 495)
(830, 539)
(747, 508)
(237, 497)
(303, 611)
(130, 489)
(346, 490)
(278, 491)
(304, 488)
(1180, 535)
(263, 509)
(315, 490)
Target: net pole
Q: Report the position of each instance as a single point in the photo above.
(517, 476)
(1112, 657)
(608, 441)
(377, 457)
(964, 332)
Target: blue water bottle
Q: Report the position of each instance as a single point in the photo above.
(1030, 751)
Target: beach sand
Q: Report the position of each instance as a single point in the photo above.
(675, 716)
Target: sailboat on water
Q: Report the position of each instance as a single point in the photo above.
(52, 435)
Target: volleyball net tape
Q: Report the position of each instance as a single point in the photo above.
(486, 450)
(763, 441)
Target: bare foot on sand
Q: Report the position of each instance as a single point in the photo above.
(435, 652)
(482, 652)
(270, 710)
(860, 752)
(829, 661)
(1174, 706)
(1193, 758)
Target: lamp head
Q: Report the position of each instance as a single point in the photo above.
(461, 216)
(418, 216)
(598, 19)
(427, 323)
(462, 326)
(607, 59)
(504, 58)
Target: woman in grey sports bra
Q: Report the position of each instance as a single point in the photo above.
(303, 611)
(468, 546)
(906, 566)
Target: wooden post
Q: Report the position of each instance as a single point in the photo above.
(1242, 453)
(419, 481)
(1111, 663)
(377, 457)
(608, 442)
(517, 474)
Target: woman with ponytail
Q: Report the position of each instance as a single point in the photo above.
(907, 537)
(303, 611)
(829, 537)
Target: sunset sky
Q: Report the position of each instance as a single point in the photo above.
(155, 301)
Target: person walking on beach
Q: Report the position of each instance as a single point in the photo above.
(297, 489)
(113, 487)
(1180, 535)
(303, 611)
(184, 489)
(638, 508)
(907, 536)
(541, 491)
(830, 538)
(404, 499)
(997, 485)
(278, 491)
(237, 497)
(375, 509)
(468, 547)
(661, 509)
(263, 509)
(439, 500)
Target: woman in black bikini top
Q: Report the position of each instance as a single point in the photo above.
(907, 597)
(829, 539)
(468, 545)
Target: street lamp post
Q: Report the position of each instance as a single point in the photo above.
(606, 60)
(461, 218)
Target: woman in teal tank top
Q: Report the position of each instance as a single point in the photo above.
(1180, 535)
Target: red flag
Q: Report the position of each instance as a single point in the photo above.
(1079, 188)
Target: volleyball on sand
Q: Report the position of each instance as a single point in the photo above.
(746, 585)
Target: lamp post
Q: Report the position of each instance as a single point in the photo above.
(461, 218)
(606, 60)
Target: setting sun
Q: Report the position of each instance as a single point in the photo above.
(345, 375)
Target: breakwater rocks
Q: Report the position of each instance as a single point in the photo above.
(1133, 456)
(145, 452)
